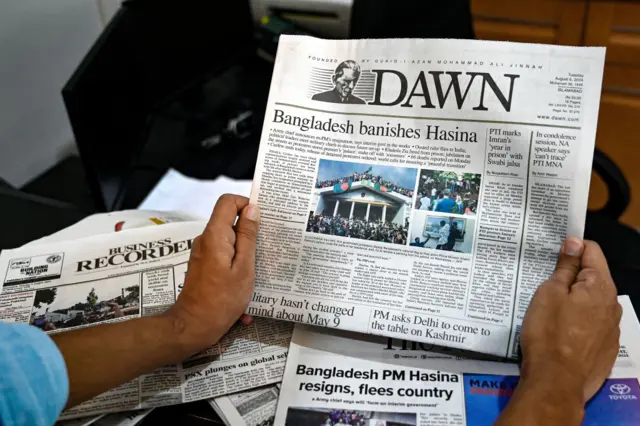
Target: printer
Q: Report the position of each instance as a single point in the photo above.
(326, 18)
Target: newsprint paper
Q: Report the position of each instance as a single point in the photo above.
(334, 377)
(107, 223)
(421, 189)
(256, 407)
(126, 418)
(119, 276)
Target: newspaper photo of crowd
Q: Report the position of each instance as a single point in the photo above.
(84, 304)
(448, 192)
(384, 232)
(333, 417)
(363, 201)
(384, 178)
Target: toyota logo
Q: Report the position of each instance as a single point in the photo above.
(619, 389)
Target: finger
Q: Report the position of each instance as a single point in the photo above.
(216, 244)
(226, 210)
(218, 238)
(246, 319)
(246, 234)
(568, 265)
(595, 283)
(617, 313)
(592, 257)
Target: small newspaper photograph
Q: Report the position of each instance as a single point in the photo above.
(421, 189)
(111, 277)
(335, 377)
(252, 408)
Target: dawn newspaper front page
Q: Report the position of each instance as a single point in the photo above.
(421, 189)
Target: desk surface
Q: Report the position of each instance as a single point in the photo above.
(25, 217)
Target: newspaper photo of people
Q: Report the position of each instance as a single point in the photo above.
(344, 80)
(84, 304)
(364, 201)
(442, 232)
(448, 192)
(332, 417)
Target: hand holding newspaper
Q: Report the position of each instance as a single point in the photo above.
(421, 189)
(60, 286)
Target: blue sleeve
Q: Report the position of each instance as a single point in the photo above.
(437, 207)
(34, 386)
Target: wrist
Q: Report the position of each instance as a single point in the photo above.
(553, 393)
(549, 404)
(550, 372)
(189, 335)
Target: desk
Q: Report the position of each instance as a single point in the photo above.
(26, 217)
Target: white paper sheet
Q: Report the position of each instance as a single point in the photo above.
(178, 192)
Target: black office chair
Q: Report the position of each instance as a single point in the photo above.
(620, 243)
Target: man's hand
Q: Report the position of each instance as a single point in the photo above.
(220, 275)
(217, 289)
(571, 330)
(570, 340)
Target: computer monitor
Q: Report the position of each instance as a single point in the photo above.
(152, 61)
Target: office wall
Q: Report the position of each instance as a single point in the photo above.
(41, 43)
(108, 8)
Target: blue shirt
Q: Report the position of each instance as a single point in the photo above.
(445, 205)
(34, 386)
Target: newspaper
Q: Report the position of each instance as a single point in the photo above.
(421, 189)
(81, 421)
(176, 191)
(105, 223)
(123, 419)
(377, 381)
(252, 408)
(119, 276)
(128, 418)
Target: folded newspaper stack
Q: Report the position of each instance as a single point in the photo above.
(118, 266)
(252, 408)
(335, 377)
(421, 189)
(125, 418)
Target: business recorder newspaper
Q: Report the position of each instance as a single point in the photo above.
(332, 374)
(256, 407)
(421, 189)
(115, 277)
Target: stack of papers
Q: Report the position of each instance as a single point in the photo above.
(143, 277)
(176, 192)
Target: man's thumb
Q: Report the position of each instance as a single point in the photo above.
(246, 234)
(568, 265)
